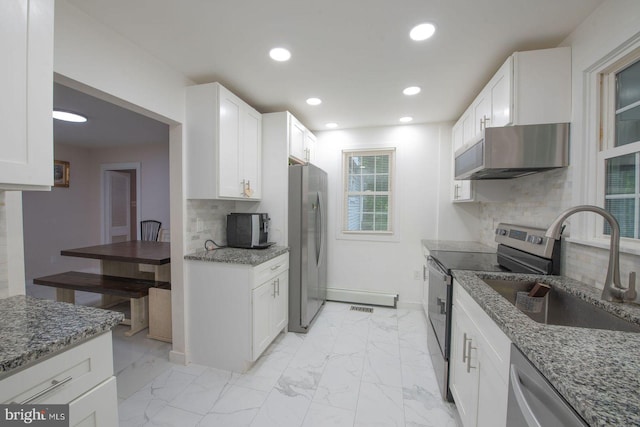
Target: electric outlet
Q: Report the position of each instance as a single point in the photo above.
(416, 275)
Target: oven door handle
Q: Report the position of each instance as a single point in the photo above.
(435, 269)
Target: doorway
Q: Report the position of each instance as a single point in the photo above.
(120, 202)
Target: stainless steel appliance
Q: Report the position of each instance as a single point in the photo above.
(520, 250)
(307, 244)
(513, 151)
(533, 402)
(248, 230)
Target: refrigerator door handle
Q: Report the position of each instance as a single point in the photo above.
(319, 228)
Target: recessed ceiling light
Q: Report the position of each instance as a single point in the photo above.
(422, 31)
(279, 54)
(406, 119)
(332, 125)
(68, 117)
(314, 101)
(411, 90)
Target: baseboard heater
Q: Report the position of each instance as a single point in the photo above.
(362, 297)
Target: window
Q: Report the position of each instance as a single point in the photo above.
(620, 145)
(368, 189)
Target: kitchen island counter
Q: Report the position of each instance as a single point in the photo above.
(238, 256)
(596, 371)
(33, 329)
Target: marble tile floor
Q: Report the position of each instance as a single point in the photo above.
(351, 369)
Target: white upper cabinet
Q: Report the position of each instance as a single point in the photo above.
(301, 141)
(462, 191)
(541, 88)
(296, 139)
(531, 87)
(500, 92)
(224, 145)
(26, 84)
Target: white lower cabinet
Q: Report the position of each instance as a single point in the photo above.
(81, 377)
(479, 364)
(269, 311)
(235, 310)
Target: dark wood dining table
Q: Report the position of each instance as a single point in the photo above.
(135, 268)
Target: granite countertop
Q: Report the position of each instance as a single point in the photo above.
(596, 371)
(32, 328)
(456, 246)
(238, 256)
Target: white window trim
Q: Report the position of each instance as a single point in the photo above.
(373, 236)
(587, 229)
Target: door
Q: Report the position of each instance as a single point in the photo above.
(118, 206)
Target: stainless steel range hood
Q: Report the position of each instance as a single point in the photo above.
(514, 151)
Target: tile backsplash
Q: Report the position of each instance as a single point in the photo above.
(536, 200)
(206, 219)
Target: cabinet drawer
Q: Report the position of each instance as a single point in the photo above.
(66, 375)
(270, 269)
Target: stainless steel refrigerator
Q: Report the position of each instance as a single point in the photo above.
(308, 244)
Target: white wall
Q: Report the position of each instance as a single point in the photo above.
(386, 266)
(66, 218)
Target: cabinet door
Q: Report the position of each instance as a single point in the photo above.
(493, 395)
(262, 301)
(26, 84)
(251, 151)
(463, 367)
(296, 139)
(280, 313)
(468, 125)
(230, 184)
(457, 137)
(501, 95)
(310, 146)
(462, 191)
(482, 111)
(96, 408)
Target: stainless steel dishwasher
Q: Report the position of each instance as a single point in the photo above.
(533, 402)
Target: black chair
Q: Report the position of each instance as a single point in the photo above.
(149, 230)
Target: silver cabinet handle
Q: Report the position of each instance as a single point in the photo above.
(456, 188)
(274, 289)
(469, 367)
(275, 267)
(54, 385)
(278, 285)
(464, 347)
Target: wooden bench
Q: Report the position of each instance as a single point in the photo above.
(114, 287)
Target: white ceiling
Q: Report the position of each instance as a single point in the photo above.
(353, 54)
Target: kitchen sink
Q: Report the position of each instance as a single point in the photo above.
(559, 307)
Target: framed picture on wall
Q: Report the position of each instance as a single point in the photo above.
(60, 173)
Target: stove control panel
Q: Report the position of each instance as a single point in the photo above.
(529, 239)
(536, 240)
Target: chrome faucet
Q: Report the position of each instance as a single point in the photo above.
(613, 290)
